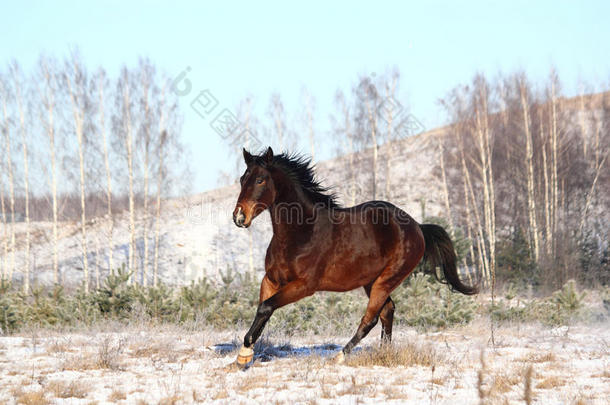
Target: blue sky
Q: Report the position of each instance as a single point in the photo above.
(236, 49)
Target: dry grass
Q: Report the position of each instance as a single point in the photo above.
(109, 353)
(392, 392)
(536, 357)
(253, 382)
(80, 362)
(437, 381)
(221, 394)
(107, 357)
(505, 382)
(32, 398)
(406, 355)
(65, 389)
(117, 395)
(527, 390)
(59, 347)
(171, 400)
(603, 374)
(551, 382)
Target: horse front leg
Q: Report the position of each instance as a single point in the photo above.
(289, 293)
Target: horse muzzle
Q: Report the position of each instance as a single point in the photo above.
(239, 218)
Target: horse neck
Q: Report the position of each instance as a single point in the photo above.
(291, 212)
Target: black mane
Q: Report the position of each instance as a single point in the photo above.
(300, 170)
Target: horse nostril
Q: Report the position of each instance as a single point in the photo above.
(239, 218)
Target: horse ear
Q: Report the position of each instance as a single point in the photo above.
(269, 155)
(247, 157)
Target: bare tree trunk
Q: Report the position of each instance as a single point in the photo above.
(4, 227)
(529, 160)
(372, 117)
(102, 124)
(349, 146)
(158, 210)
(160, 171)
(469, 226)
(78, 115)
(97, 262)
(482, 250)
(447, 203)
(146, 87)
(390, 95)
(486, 169)
(309, 112)
(129, 149)
(583, 126)
(158, 218)
(547, 203)
(444, 179)
(590, 194)
(554, 164)
(24, 136)
(49, 104)
(352, 169)
(11, 182)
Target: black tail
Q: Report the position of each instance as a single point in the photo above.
(440, 252)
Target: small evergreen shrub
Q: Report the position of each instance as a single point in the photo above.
(563, 306)
(423, 302)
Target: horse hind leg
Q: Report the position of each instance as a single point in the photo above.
(386, 316)
(379, 297)
(379, 294)
(387, 319)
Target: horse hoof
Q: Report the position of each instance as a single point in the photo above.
(340, 358)
(245, 356)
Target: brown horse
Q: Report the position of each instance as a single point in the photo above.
(319, 246)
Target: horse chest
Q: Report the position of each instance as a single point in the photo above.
(288, 262)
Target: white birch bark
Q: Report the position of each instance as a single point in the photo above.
(78, 116)
(529, 160)
(11, 180)
(26, 184)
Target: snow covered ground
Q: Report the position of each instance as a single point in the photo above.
(167, 365)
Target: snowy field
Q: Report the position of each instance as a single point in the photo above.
(169, 365)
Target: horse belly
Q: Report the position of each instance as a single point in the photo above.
(360, 255)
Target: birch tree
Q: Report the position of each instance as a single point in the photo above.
(47, 91)
(17, 77)
(124, 126)
(101, 87)
(6, 129)
(5, 237)
(529, 161)
(390, 112)
(145, 143)
(344, 130)
(78, 91)
(368, 100)
(308, 118)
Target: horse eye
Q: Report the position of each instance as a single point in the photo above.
(260, 180)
